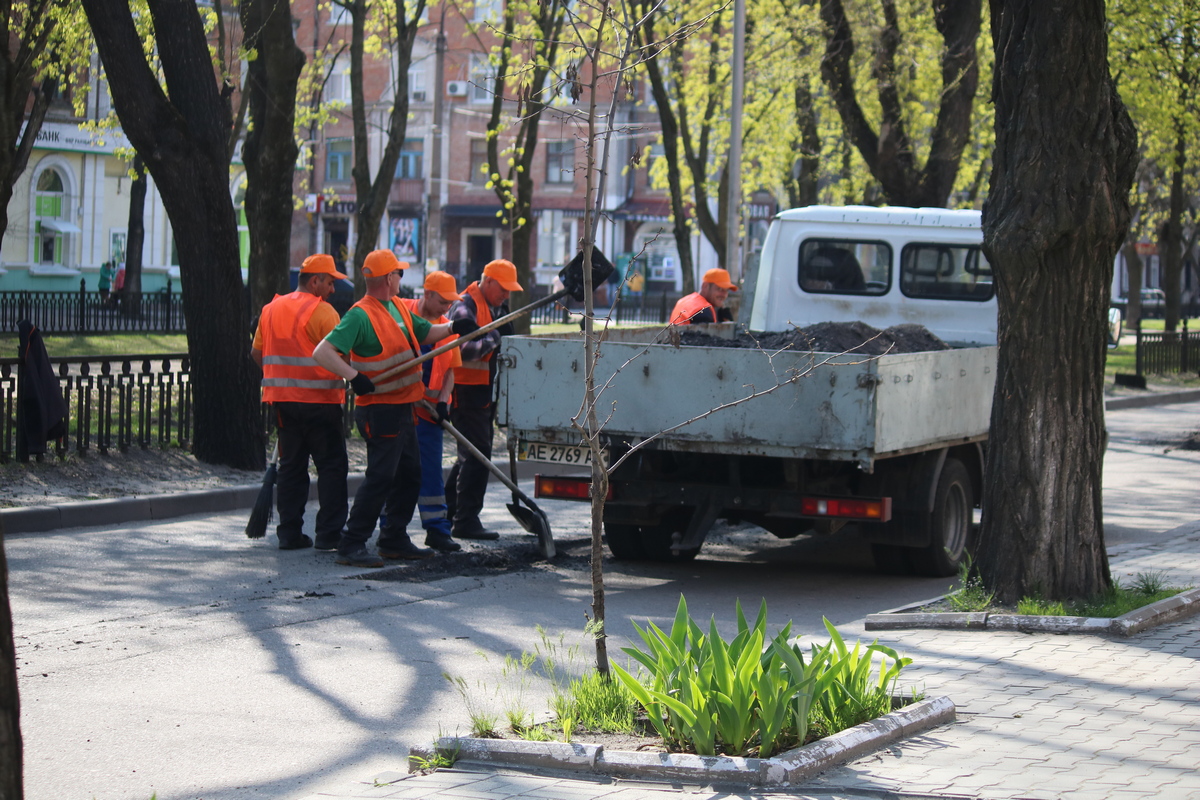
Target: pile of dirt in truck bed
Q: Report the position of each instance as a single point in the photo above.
(828, 337)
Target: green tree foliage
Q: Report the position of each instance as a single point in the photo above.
(46, 48)
(1155, 58)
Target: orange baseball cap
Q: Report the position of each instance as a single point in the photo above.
(505, 273)
(443, 284)
(381, 262)
(320, 264)
(720, 277)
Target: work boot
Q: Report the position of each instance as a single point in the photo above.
(479, 534)
(297, 541)
(327, 543)
(441, 541)
(405, 550)
(359, 557)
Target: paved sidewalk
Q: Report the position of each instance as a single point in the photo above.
(1040, 716)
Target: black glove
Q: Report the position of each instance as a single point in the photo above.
(443, 412)
(361, 384)
(463, 326)
(724, 315)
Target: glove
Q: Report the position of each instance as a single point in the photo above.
(463, 326)
(361, 384)
(443, 412)
(724, 315)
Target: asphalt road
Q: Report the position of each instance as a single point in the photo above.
(180, 659)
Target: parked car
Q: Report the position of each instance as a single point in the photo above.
(1154, 302)
(1114, 326)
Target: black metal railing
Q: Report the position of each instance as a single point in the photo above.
(644, 310)
(83, 312)
(1160, 352)
(113, 403)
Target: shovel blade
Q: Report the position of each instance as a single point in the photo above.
(572, 274)
(536, 523)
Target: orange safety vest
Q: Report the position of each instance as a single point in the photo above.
(404, 387)
(441, 364)
(476, 373)
(290, 374)
(688, 306)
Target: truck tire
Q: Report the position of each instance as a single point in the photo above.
(950, 524)
(645, 543)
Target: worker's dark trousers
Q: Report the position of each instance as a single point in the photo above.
(393, 478)
(468, 479)
(310, 430)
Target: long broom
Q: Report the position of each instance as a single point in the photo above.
(256, 526)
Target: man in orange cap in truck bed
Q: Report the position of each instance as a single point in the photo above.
(708, 304)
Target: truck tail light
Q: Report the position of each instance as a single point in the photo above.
(565, 488)
(877, 510)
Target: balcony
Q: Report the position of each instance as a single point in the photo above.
(407, 192)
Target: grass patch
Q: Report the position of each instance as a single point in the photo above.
(1145, 589)
(114, 344)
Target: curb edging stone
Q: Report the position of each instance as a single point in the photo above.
(789, 767)
(1180, 606)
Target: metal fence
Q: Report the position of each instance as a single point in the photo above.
(639, 310)
(113, 403)
(1160, 352)
(85, 312)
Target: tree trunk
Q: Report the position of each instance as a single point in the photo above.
(1171, 246)
(16, 145)
(131, 289)
(889, 152)
(1057, 212)
(183, 140)
(270, 149)
(11, 759)
(1133, 301)
(802, 187)
(670, 140)
(372, 196)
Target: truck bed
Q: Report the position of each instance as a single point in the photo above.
(843, 407)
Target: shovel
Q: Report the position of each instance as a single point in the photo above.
(532, 519)
(572, 280)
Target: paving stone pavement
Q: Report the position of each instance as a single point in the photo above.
(1040, 716)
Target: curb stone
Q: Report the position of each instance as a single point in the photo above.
(788, 767)
(1180, 606)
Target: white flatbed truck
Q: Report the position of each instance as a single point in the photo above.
(893, 442)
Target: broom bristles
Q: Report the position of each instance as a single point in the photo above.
(256, 526)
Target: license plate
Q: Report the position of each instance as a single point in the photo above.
(554, 453)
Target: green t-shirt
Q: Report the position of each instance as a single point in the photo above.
(355, 333)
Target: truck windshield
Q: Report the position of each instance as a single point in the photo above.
(945, 272)
(844, 266)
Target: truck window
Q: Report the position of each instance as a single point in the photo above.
(945, 272)
(843, 266)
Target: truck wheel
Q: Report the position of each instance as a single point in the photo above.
(950, 524)
(624, 541)
(645, 543)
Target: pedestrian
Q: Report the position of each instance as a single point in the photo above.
(708, 304)
(473, 412)
(307, 401)
(107, 271)
(376, 335)
(438, 377)
(118, 286)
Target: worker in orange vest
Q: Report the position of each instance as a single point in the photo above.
(376, 335)
(307, 401)
(473, 412)
(438, 377)
(708, 304)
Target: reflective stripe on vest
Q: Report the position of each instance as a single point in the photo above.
(688, 306)
(290, 375)
(405, 387)
(476, 373)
